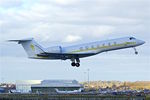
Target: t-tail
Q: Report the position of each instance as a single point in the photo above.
(30, 46)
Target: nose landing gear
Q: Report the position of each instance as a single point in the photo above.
(135, 51)
(75, 64)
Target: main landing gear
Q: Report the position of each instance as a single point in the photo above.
(135, 51)
(77, 63)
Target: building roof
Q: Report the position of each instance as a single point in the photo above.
(58, 83)
(27, 82)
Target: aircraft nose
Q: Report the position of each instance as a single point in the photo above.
(141, 42)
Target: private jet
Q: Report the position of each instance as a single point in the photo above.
(75, 52)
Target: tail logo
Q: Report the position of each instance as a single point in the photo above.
(32, 47)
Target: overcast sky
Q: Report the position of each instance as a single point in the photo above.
(68, 22)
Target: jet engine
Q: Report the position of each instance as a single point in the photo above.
(55, 49)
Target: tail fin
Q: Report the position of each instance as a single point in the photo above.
(30, 46)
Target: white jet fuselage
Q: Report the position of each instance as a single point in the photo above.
(35, 51)
(93, 48)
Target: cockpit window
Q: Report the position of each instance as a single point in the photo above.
(131, 38)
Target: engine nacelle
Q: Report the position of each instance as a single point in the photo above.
(55, 49)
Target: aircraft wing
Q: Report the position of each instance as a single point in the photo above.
(64, 56)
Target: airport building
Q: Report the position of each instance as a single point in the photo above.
(24, 86)
(50, 86)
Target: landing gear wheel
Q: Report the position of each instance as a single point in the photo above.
(77, 64)
(73, 64)
(136, 52)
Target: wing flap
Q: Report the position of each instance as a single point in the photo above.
(65, 55)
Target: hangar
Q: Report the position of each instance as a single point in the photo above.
(50, 86)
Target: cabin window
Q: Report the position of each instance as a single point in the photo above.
(97, 46)
(81, 48)
(92, 47)
(103, 45)
(87, 47)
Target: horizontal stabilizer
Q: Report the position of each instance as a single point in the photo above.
(30, 46)
(22, 40)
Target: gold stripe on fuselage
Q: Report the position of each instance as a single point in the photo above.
(104, 47)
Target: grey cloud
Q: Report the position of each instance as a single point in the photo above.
(83, 18)
(11, 3)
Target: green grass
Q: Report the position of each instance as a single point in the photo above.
(148, 97)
